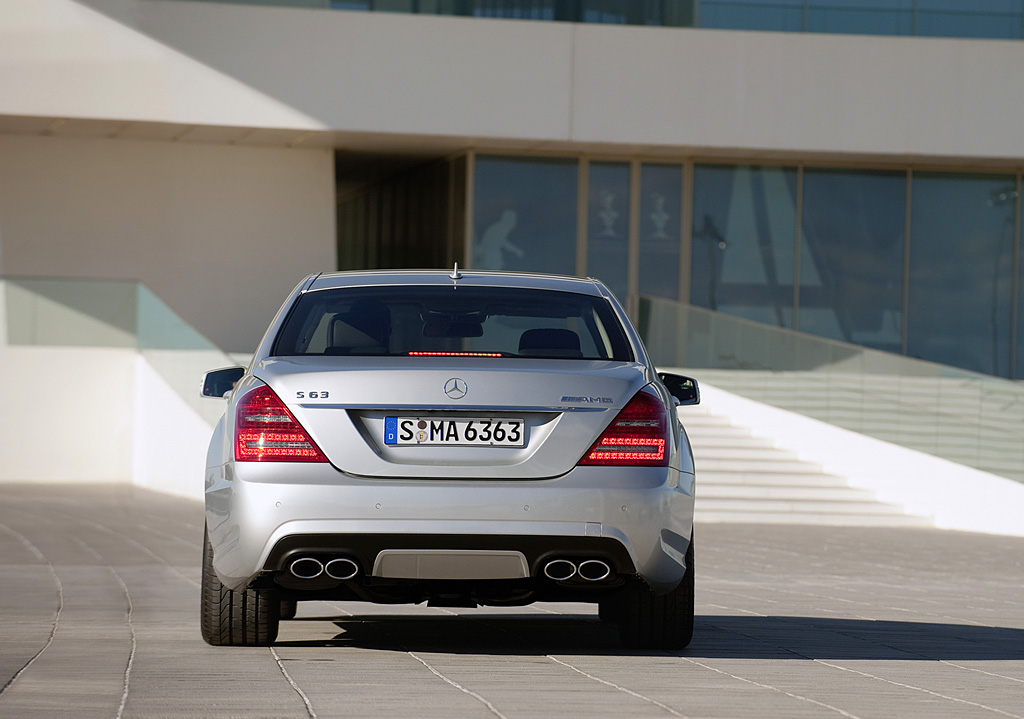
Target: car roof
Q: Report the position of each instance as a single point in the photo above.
(475, 278)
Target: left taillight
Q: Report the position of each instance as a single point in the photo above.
(265, 431)
(638, 436)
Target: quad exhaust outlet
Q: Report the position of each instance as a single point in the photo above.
(311, 568)
(589, 570)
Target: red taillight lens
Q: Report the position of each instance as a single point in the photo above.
(265, 431)
(637, 436)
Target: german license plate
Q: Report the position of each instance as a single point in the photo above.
(461, 432)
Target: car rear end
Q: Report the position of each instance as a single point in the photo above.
(481, 439)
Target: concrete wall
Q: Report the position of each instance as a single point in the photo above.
(170, 437)
(90, 414)
(69, 414)
(61, 58)
(220, 233)
(543, 85)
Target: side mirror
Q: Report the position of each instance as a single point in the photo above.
(684, 389)
(218, 382)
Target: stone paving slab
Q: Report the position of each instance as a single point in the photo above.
(99, 593)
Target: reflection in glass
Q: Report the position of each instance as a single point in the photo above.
(784, 15)
(744, 221)
(524, 216)
(608, 226)
(969, 18)
(661, 200)
(1019, 373)
(961, 259)
(633, 12)
(851, 265)
(865, 17)
(518, 9)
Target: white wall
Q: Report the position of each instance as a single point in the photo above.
(169, 451)
(84, 414)
(69, 414)
(220, 233)
(540, 85)
(60, 58)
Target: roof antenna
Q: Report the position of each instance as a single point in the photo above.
(456, 275)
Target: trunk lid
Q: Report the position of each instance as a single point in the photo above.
(345, 402)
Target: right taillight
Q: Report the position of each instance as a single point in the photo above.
(638, 436)
(265, 431)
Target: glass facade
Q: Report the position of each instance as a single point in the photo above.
(961, 270)
(742, 256)
(661, 226)
(995, 19)
(608, 225)
(524, 214)
(851, 257)
(925, 264)
(1017, 327)
(620, 12)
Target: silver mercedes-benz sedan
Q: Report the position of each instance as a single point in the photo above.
(457, 438)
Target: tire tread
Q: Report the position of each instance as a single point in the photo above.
(229, 618)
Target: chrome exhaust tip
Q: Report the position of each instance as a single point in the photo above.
(594, 570)
(341, 568)
(560, 570)
(306, 568)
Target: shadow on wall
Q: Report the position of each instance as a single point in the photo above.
(121, 314)
(94, 313)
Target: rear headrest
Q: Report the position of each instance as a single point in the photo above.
(345, 339)
(549, 342)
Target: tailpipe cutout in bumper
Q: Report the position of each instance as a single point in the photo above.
(588, 571)
(340, 568)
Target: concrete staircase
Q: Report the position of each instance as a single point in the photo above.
(978, 422)
(743, 478)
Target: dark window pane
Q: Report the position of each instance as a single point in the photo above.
(661, 199)
(851, 262)
(637, 12)
(743, 239)
(525, 215)
(517, 9)
(787, 15)
(970, 18)
(1019, 374)
(608, 226)
(961, 257)
(865, 17)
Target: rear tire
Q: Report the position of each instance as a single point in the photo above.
(289, 608)
(229, 618)
(650, 621)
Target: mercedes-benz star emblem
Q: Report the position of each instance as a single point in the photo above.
(456, 388)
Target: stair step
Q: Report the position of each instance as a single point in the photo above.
(775, 492)
(829, 519)
(785, 479)
(789, 506)
(754, 466)
(702, 442)
(767, 455)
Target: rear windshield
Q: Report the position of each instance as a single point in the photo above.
(485, 321)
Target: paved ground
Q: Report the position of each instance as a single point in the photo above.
(99, 589)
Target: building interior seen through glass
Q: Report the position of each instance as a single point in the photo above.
(834, 252)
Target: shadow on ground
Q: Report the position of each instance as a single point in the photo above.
(739, 637)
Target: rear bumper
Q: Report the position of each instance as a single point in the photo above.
(260, 514)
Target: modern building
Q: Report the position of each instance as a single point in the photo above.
(846, 169)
